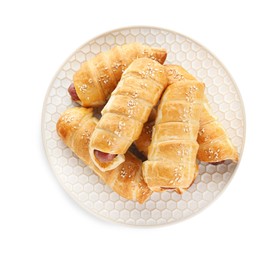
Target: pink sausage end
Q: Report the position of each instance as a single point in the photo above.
(104, 157)
(217, 163)
(72, 92)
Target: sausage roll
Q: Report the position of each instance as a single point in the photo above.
(171, 163)
(75, 127)
(214, 143)
(127, 110)
(94, 82)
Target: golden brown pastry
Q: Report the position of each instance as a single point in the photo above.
(144, 140)
(171, 163)
(97, 78)
(214, 143)
(75, 127)
(125, 113)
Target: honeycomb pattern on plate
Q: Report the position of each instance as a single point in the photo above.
(87, 189)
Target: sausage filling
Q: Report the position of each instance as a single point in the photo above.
(104, 157)
(217, 163)
(72, 92)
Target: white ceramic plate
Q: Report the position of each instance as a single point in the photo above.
(87, 189)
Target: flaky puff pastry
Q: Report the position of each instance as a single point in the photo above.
(126, 111)
(98, 77)
(144, 141)
(145, 137)
(75, 127)
(214, 143)
(171, 163)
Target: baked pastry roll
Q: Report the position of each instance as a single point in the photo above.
(171, 163)
(75, 127)
(126, 111)
(214, 143)
(97, 78)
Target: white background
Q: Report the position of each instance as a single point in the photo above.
(38, 220)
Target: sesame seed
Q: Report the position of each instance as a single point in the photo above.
(118, 133)
(148, 130)
(132, 103)
(116, 65)
(135, 94)
(201, 131)
(144, 85)
(123, 172)
(68, 119)
(83, 88)
(187, 129)
(121, 124)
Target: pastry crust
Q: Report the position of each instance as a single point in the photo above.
(171, 163)
(144, 140)
(75, 127)
(98, 77)
(127, 110)
(214, 143)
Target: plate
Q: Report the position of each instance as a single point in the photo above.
(87, 189)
